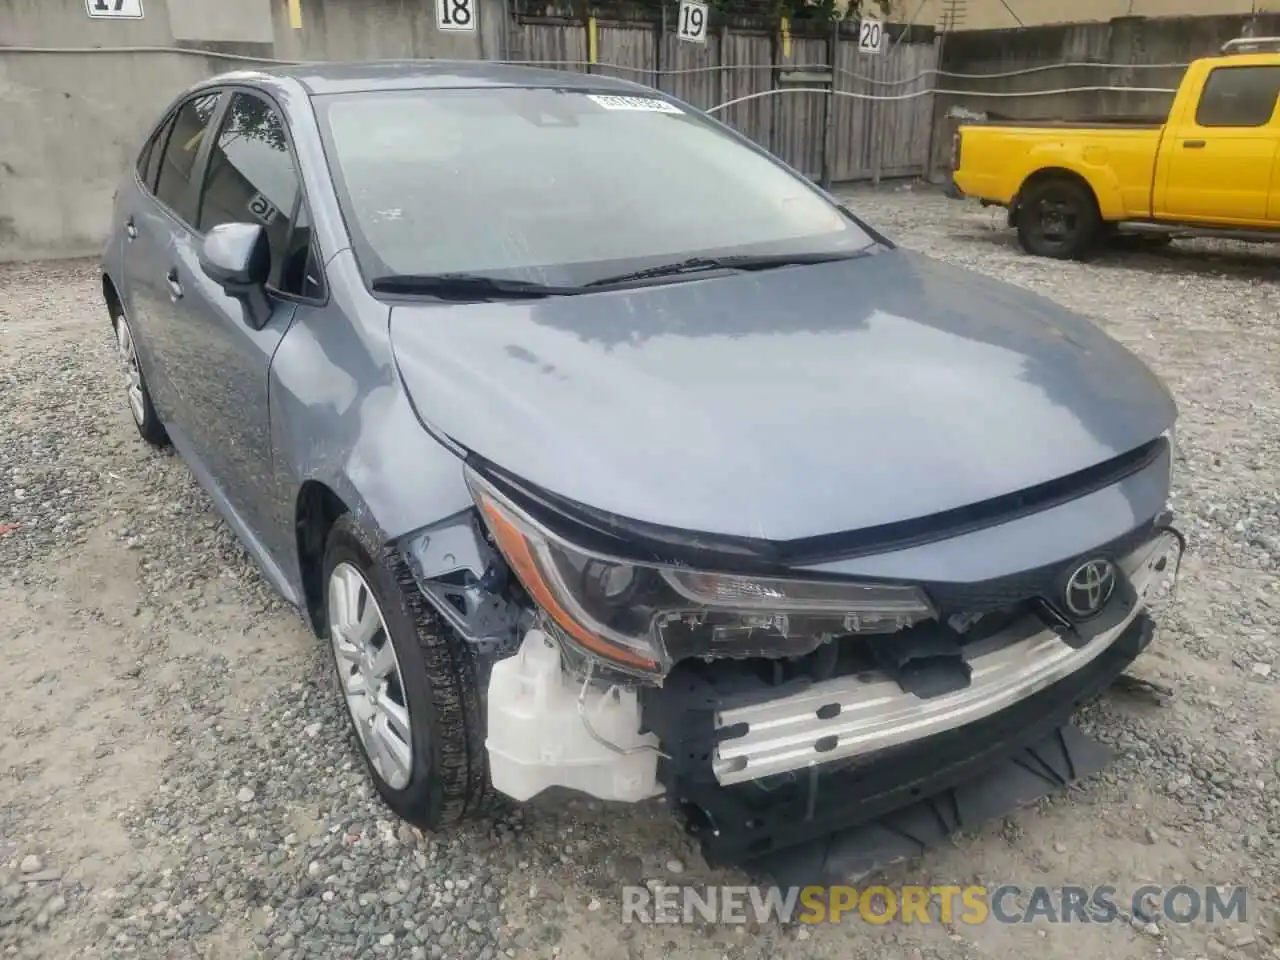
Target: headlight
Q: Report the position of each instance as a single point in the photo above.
(1171, 435)
(644, 617)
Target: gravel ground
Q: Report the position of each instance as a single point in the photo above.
(177, 780)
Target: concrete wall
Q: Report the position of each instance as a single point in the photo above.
(994, 14)
(1067, 51)
(71, 122)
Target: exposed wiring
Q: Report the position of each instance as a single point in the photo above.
(586, 721)
(1004, 3)
(235, 57)
(924, 93)
(1013, 94)
(907, 29)
(645, 71)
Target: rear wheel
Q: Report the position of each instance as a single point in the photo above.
(410, 684)
(139, 397)
(1058, 218)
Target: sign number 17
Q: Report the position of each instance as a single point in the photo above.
(113, 9)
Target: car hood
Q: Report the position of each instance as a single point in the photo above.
(781, 404)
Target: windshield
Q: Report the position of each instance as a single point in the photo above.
(558, 187)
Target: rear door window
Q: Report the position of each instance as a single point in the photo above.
(1239, 97)
(149, 159)
(178, 166)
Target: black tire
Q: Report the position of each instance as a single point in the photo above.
(1058, 217)
(449, 778)
(147, 421)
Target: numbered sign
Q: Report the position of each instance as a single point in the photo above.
(125, 9)
(692, 25)
(870, 36)
(456, 14)
(263, 209)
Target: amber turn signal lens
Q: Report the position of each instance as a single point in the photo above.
(516, 548)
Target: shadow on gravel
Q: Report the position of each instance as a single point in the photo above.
(1262, 265)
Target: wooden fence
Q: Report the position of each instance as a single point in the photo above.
(868, 139)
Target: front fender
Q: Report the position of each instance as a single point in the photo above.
(341, 418)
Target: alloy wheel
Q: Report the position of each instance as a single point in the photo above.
(369, 672)
(132, 372)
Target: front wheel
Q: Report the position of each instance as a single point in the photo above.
(1058, 218)
(409, 682)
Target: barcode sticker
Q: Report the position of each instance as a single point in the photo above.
(653, 105)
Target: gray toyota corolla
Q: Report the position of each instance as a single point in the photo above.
(611, 454)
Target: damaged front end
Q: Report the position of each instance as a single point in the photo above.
(773, 711)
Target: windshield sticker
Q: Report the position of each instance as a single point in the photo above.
(633, 103)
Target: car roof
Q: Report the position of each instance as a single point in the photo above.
(352, 77)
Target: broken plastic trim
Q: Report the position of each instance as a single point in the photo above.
(465, 580)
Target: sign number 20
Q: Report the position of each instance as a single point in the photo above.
(870, 36)
(455, 14)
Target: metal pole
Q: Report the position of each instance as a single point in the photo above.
(592, 40)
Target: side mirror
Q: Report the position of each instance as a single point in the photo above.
(237, 257)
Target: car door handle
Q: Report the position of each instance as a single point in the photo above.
(130, 230)
(1193, 144)
(175, 286)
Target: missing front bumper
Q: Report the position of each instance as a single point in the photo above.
(860, 714)
(836, 816)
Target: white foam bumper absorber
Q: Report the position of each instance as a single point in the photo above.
(537, 738)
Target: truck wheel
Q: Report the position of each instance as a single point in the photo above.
(1058, 218)
(410, 685)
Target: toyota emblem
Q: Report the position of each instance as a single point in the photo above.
(1089, 588)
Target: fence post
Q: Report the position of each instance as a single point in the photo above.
(781, 52)
(875, 120)
(829, 109)
(723, 79)
(658, 43)
(939, 44)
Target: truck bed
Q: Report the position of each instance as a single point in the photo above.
(997, 156)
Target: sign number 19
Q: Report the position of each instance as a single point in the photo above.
(692, 23)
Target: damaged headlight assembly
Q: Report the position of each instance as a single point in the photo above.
(640, 618)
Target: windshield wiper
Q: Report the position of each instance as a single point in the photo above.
(467, 286)
(746, 261)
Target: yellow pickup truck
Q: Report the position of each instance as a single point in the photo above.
(1211, 169)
